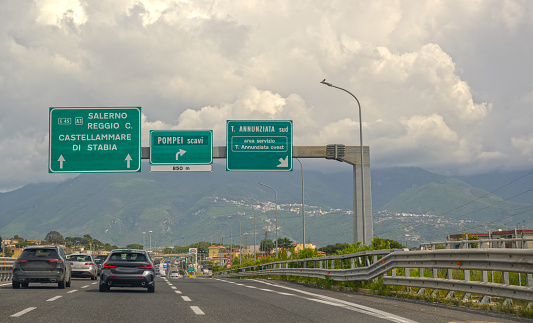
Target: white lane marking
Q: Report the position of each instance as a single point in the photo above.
(197, 310)
(5, 284)
(85, 286)
(250, 286)
(29, 309)
(348, 305)
(72, 291)
(53, 298)
(95, 283)
(169, 284)
(288, 294)
(174, 287)
(266, 289)
(187, 299)
(177, 292)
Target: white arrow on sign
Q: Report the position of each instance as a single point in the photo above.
(128, 160)
(180, 153)
(61, 160)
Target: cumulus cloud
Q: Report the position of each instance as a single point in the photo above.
(440, 83)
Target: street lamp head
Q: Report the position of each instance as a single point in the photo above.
(326, 83)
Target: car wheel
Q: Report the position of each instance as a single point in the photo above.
(103, 288)
(69, 282)
(25, 285)
(61, 284)
(15, 285)
(151, 288)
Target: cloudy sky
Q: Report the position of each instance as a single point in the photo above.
(444, 85)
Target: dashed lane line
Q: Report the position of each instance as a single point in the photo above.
(186, 298)
(173, 287)
(85, 286)
(29, 309)
(177, 292)
(54, 298)
(197, 310)
(72, 291)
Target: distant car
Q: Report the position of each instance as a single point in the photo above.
(127, 268)
(41, 264)
(175, 275)
(83, 265)
(99, 259)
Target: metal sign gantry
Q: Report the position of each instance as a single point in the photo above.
(347, 154)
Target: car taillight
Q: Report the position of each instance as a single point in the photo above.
(72, 263)
(20, 260)
(89, 263)
(145, 267)
(109, 266)
(56, 260)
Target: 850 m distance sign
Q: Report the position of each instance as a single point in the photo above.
(96, 140)
(181, 150)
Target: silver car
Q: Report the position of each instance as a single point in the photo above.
(83, 265)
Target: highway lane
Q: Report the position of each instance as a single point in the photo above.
(219, 300)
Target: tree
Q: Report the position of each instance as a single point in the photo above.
(285, 243)
(333, 249)
(266, 245)
(134, 246)
(54, 237)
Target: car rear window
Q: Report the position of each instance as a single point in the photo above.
(37, 254)
(80, 258)
(127, 256)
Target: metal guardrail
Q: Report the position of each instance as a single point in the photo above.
(6, 268)
(509, 243)
(473, 271)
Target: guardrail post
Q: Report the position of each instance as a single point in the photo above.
(506, 278)
(352, 263)
(529, 280)
(320, 264)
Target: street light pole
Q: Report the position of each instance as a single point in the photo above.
(150, 240)
(276, 199)
(255, 241)
(144, 240)
(231, 241)
(240, 243)
(362, 169)
(303, 204)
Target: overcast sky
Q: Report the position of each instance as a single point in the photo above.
(443, 85)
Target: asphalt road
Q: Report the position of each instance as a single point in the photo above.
(220, 300)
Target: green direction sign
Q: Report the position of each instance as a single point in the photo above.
(254, 145)
(83, 140)
(181, 147)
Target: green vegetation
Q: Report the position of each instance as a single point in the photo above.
(118, 208)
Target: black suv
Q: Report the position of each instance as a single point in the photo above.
(127, 268)
(41, 264)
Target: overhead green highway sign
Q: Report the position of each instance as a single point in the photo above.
(99, 139)
(181, 150)
(259, 145)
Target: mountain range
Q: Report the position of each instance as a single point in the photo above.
(182, 208)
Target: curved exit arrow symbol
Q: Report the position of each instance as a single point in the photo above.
(180, 153)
